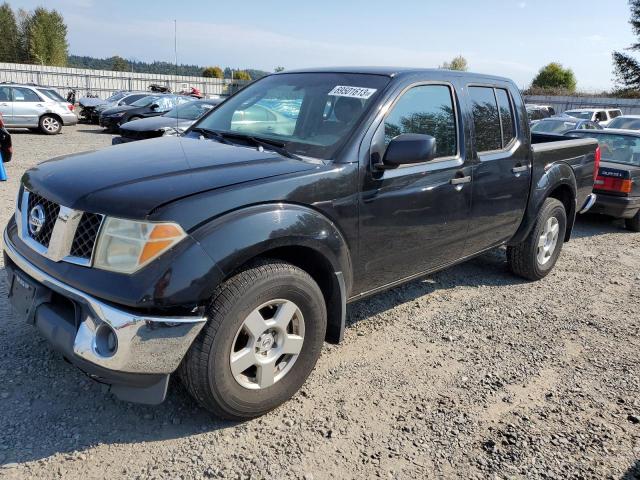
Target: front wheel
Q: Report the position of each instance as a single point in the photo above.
(50, 125)
(536, 256)
(633, 223)
(264, 335)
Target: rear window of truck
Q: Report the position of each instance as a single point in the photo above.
(493, 118)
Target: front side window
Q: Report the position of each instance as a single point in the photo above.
(427, 110)
(132, 98)
(486, 119)
(311, 114)
(614, 113)
(25, 95)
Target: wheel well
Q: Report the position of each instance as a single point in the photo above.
(565, 195)
(321, 270)
(54, 115)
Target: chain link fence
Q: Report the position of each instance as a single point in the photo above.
(104, 82)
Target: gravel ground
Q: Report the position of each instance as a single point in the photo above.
(470, 373)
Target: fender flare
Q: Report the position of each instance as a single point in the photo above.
(237, 237)
(559, 175)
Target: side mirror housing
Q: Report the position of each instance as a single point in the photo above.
(155, 106)
(409, 148)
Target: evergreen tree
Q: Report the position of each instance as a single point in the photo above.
(9, 39)
(119, 64)
(46, 38)
(626, 68)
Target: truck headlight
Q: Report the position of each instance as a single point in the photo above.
(126, 246)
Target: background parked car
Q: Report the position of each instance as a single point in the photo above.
(538, 112)
(618, 182)
(35, 107)
(560, 124)
(6, 147)
(599, 115)
(149, 106)
(123, 98)
(176, 120)
(626, 122)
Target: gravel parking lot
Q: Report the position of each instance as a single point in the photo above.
(470, 373)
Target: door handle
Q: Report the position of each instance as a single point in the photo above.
(460, 180)
(518, 170)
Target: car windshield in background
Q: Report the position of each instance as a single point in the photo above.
(625, 123)
(616, 148)
(189, 110)
(580, 115)
(553, 126)
(144, 101)
(115, 97)
(52, 94)
(312, 114)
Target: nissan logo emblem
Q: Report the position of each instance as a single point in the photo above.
(36, 219)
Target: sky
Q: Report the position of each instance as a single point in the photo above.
(512, 38)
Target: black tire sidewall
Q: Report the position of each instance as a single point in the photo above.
(633, 223)
(550, 209)
(228, 393)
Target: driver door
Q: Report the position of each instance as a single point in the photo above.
(6, 105)
(415, 217)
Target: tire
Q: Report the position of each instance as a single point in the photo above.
(633, 223)
(237, 394)
(531, 260)
(50, 125)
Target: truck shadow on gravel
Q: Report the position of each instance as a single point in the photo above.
(49, 407)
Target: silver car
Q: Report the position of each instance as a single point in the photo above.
(35, 107)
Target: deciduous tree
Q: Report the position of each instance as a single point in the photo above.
(213, 72)
(554, 76)
(458, 63)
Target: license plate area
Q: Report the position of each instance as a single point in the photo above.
(25, 295)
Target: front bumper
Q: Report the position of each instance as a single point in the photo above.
(111, 123)
(148, 348)
(619, 207)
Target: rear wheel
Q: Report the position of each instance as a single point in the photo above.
(536, 256)
(633, 223)
(50, 125)
(264, 335)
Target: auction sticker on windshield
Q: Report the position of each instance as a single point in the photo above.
(352, 92)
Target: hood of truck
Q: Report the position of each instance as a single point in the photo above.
(131, 180)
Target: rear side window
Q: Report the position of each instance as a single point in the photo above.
(614, 113)
(493, 118)
(428, 110)
(25, 95)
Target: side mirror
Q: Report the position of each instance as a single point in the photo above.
(155, 106)
(409, 148)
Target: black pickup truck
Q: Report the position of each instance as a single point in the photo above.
(228, 255)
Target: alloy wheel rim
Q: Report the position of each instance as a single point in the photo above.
(267, 344)
(50, 124)
(548, 240)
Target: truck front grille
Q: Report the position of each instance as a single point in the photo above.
(76, 233)
(86, 235)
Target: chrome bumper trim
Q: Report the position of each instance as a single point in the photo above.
(146, 344)
(591, 200)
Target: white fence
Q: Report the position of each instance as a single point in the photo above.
(628, 106)
(105, 82)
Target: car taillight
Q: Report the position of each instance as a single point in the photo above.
(71, 107)
(597, 158)
(611, 184)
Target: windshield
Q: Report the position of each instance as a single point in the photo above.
(189, 110)
(615, 148)
(52, 94)
(553, 126)
(581, 115)
(144, 101)
(312, 114)
(625, 123)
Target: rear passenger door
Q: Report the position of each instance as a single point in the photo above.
(27, 107)
(413, 218)
(501, 173)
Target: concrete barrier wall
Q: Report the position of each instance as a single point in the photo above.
(104, 82)
(627, 105)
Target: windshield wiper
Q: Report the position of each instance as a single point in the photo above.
(267, 143)
(211, 134)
